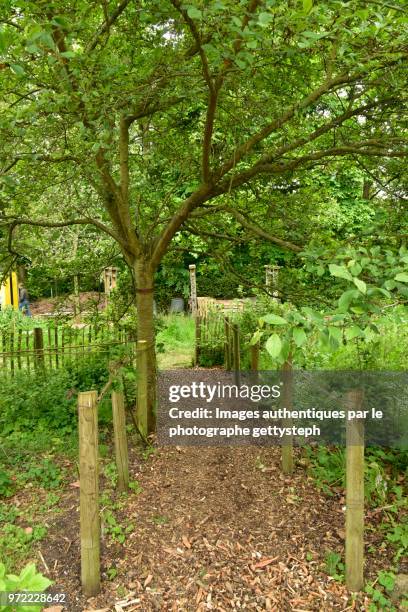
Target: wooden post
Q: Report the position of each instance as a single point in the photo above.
(19, 341)
(12, 353)
(39, 347)
(354, 494)
(255, 357)
(63, 346)
(142, 415)
(198, 322)
(27, 345)
(236, 354)
(121, 447)
(89, 493)
(193, 289)
(4, 350)
(49, 350)
(56, 346)
(227, 345)
(287, 401)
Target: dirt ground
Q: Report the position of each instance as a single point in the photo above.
(65, 304)
(212, 529)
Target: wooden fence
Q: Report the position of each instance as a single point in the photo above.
(53, 346)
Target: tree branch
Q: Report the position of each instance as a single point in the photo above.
(107, 24)
(13, 222)
(250, 225)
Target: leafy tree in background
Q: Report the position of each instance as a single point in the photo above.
(162, 111)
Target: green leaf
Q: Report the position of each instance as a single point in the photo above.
(312, 314)
(39, 583)
(256, 337)
(354, 332)
(340, 272)
(273, 319)
(402, 277)
(299, 336)
(194, 13)
(336, 334)
(361, 286)
(28, 572)
(265, 19)
(307, 6)
(68, 54)
(274, 346)
(17, 69)
(346, 298)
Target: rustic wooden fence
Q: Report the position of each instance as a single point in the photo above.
(53, 346)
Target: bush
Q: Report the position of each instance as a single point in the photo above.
(46, 401)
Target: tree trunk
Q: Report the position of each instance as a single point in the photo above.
(145, 331)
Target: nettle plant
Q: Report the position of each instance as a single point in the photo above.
(372, 280)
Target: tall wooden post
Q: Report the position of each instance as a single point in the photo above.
(89, 493)
(236, 354)
(121, 447)
(193, 289)
(287, 401)
(354, 494)
(39, 347)
(142, 411)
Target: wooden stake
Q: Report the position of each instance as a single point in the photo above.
(193, 289)
(56, 345)
(121, 447)
(236, 354)
(89, 493)
(287, 402)
(142, 381)
(12, 352)
(355, 495)
(19, 341)
(39, 347)
(255, 357)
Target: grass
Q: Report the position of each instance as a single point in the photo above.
(175, 342)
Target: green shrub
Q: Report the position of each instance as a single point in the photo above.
(28, 580)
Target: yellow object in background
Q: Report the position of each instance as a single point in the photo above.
(9, 292)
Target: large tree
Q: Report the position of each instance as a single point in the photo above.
(165, 109)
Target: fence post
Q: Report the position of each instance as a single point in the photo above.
(197, 338)
(39, 346)
(89, 492)
(19, 341)
(121, 447)
(354, 494)
(142, 416)
(287, 400)
(227, 343)
(12, 352)
(56, 346)
(255, 357)
(193, 289)
(236, 354)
